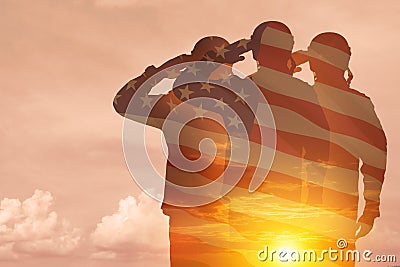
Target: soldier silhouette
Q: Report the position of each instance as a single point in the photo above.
(309, 197)
(273, 215)
(356, 137)
(199, 236)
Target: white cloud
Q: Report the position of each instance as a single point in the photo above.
(137, 230)
(32, 228)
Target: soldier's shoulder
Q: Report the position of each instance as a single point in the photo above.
(301, 83)
(358, 93)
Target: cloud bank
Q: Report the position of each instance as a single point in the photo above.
(138, 229)
(31, 228)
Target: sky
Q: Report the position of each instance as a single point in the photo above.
(66, 195)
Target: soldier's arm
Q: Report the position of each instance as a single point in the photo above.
(137, 91)
(373, 178)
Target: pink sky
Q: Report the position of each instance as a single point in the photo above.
(61, 155)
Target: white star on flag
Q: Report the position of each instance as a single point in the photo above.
(234, 121)
(131, 84)
(221, 51)
(146, 101)
(192, 69)
(199, 111)
(241, 96)
(220, 103)
(185, 92)
(171, 105)
(206, 86)
(243, 43)
(226, 77)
